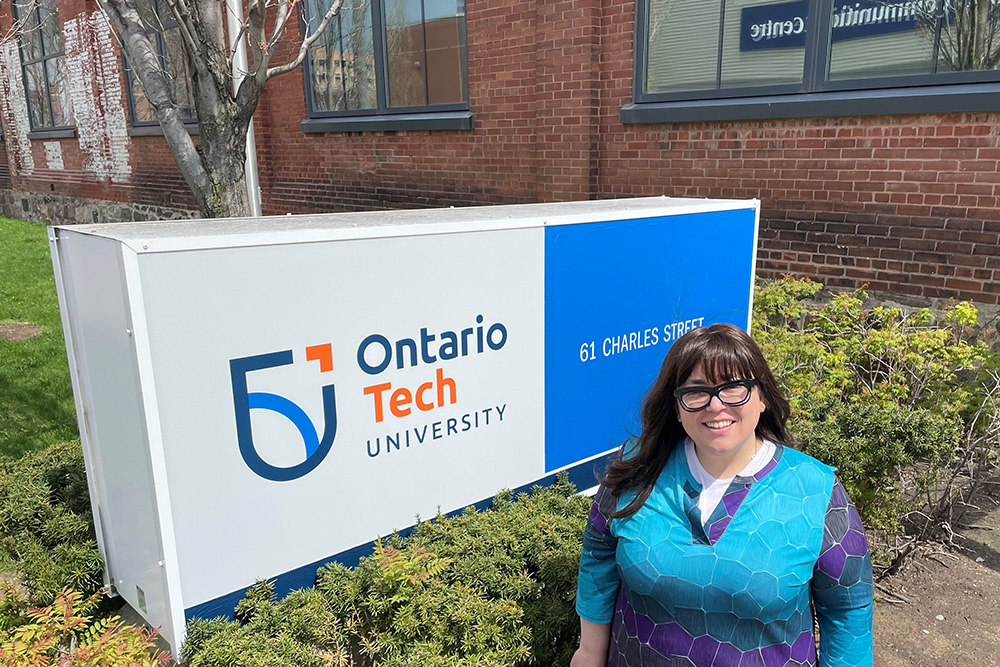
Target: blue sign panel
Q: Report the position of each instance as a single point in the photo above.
(784, 25)
(613, 307)
(778, 26)
(868, 18)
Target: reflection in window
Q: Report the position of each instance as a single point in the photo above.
(769, 53)
(342, 60)
(892, 38)
(40, 39)
(404, 55)
(425, 51)
(968, 35)
(871, 39)
(165, 37)
(693, 49)
(699, 45)
(683, 45)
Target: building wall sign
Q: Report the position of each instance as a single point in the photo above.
(783, 25)
(258, 398)
(778, 26)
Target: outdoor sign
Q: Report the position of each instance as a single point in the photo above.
(784, 24)
(260, 397)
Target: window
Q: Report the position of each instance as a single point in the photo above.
(40, 39)
(166, 39)
(761, 58)
(387, 64)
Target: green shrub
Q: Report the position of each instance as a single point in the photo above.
(875, 447)
(46, 530)
(889, 398)
(482, 589)
(841, 350)
(65, 634)
(525, 550)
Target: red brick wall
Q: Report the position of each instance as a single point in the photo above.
(533, 91)
(148, 174)
(908, 204)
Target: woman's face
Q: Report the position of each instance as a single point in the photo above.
(720, 430)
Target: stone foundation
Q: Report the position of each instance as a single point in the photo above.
(59, 210)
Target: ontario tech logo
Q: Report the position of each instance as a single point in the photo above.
(244, 401)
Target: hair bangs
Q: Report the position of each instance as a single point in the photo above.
(720, 360)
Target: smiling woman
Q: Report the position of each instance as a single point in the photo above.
(712, 544)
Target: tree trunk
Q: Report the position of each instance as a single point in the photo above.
(214, 168)
(222, 148)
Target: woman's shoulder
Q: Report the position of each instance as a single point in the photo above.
(629, 448)
(805, 466)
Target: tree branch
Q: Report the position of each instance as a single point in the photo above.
(284, 11)
(256, 16)
(306, 42)
(145, 61)
(182, 14)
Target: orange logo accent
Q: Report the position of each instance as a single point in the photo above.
(323, 354)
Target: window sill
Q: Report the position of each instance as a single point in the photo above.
(446, 120)
(62, 133)
(156, 130)
(926, 99)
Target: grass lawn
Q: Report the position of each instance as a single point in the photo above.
(36, 398)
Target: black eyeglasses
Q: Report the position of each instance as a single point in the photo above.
(733, 394)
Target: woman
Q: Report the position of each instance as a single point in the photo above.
(710, 543)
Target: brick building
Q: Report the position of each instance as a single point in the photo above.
(869, 130)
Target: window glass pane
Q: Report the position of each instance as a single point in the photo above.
(142, 110)
(327, 71)
(764, 42)
(342, 60)
(969, 36)
(178, 73)
(62, 111)
(445, 51)
(30, 33)
(438, 9)
(872, 38)
(683, 46)
(406, 60)
(51, 30)
(38, 100)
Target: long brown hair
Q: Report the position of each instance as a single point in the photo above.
(726, 353)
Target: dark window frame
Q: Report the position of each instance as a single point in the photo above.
(451, 116)
(816, 95)
(53, 130)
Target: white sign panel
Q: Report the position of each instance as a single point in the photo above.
(349, 381)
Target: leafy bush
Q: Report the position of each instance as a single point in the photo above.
(64, 634)
(484, 589)
(875, 449)
(892, 399)
(844, 351)
(46, 530)
(525, 550)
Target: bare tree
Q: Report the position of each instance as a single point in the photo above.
(969, 32)
(214, 167)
